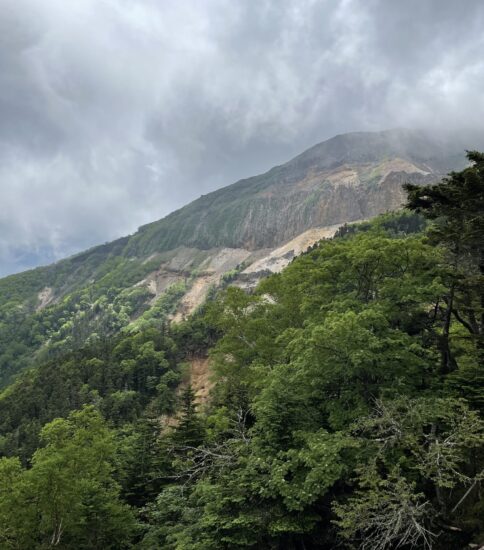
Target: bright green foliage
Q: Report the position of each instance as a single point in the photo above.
(92, 297)
(158, 313)
(312, 468)
(68, 497)
(13, 521)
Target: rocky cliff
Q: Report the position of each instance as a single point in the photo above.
(346, 178)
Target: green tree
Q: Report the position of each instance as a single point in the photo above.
(190, 430)
(456, 207)
(69, 498)
(422, 466)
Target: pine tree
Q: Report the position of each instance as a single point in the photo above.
(189, 431)
(147, 463)
(456, 207)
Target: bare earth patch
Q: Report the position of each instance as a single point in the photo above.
(195, 296)
(279, 258)
(200, 379)
(44, 297)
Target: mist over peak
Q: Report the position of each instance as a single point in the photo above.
(116, 113)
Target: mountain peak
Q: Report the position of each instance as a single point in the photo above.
(268, 209)
(363, 147)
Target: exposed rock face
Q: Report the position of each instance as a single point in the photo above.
(45, 297)
(266, 220)
(344, 179)
(349, 177)
(324, 199)
(276, 260)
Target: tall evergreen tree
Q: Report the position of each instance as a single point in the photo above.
(189, 431)
(456, 207)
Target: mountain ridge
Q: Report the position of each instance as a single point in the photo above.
(245, 186)
(353, 148)
(213, 239)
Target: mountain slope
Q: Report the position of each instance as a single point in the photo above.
(348, 177)
(171, 264)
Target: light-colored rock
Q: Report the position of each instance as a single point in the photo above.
(280, 257)
(45, 297)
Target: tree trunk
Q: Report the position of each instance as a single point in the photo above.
(447, 363)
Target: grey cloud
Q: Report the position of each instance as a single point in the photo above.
(115, 112)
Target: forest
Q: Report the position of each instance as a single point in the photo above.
(346, 408)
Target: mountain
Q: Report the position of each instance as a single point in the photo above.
(348, 177)
(237, 233)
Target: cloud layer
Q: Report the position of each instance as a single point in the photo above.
(115, 112)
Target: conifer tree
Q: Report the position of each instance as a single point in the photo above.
(189, 431)
(456, 207)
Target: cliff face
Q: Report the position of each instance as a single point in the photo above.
(348, 177)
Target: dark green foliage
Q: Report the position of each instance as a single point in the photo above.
(347, 412)
(333, 422)
(405, 223)
(145, 461)
(121, 376)
(456, 207)
(189, 431)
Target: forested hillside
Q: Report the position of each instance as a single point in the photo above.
(97, 293)
(346, 410)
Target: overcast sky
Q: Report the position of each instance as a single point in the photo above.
(115, 112)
